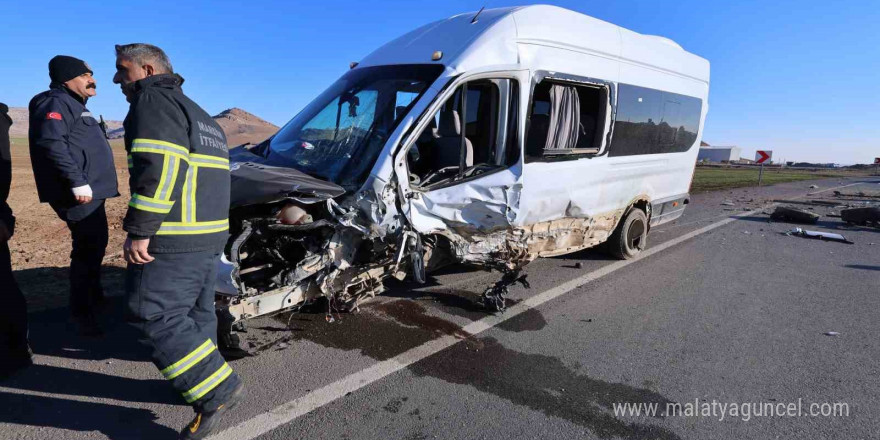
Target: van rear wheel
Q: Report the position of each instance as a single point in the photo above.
(631, 235)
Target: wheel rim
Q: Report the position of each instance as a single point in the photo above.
(635, 235)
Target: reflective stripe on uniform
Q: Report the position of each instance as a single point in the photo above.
(162, 177)
(198, 391)
(193, 228)
(188, 197)
(150, 204)
(188, 361)
(159, 147)
(130, 162)
(206, 161)
(193, 185)
(174, 169)
(169, 175)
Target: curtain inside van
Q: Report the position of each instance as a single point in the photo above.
(565, 114)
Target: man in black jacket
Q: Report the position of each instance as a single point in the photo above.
(74, 171)
(177, 224)
(14, 350)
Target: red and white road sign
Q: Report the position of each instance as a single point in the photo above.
(762, 156)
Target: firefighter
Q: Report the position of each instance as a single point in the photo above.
(177, 224)
(74, 171)
(15, 353)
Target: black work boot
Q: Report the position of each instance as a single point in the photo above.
(205, 423)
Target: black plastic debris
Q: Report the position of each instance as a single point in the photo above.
(861, 216)
(793, 215)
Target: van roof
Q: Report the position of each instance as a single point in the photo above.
(494, 37)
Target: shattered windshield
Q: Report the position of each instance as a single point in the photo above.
(338, 136)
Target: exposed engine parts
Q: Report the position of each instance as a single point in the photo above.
(296, 239)
(493, 298)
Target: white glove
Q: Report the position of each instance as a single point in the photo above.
(82, 191)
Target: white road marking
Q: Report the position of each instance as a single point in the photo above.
(830, 189)
(290, 411)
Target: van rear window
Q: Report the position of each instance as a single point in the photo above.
(652, 121)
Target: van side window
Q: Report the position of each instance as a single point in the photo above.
(473, 133)
(566, 119)
(652, 121)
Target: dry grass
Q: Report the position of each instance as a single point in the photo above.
(716, 178)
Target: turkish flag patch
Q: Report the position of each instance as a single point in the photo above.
(53, 115)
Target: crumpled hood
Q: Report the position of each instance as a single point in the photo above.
(256, 180)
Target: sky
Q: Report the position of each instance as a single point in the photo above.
(801, 78)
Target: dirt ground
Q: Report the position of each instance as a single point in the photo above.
(41, 245)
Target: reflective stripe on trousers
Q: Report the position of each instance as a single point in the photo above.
(171, 300)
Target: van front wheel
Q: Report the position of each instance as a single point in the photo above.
(631, 235)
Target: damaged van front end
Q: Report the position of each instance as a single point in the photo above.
(318, 210)
(305, 219)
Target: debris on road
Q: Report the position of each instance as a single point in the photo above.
(858, 194)
(579, 265)
(818, 235)
(814, 186)
(831, 203)
(727, 203)
(832, 334)
(784, 213)
(862, 216)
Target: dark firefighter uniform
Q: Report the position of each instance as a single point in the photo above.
(69, 150)
(179, 166)
(14, 350)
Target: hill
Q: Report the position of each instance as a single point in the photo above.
(242, 127)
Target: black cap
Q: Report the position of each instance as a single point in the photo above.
(64, 68)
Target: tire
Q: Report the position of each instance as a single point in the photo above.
(631, 235)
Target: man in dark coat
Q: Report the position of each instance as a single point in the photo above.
(75, 173)
(14, 350)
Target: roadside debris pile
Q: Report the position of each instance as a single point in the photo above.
(745, 202)
(853, 209)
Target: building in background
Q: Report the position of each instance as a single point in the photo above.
(718, 154)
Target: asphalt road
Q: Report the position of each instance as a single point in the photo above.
(724, 311)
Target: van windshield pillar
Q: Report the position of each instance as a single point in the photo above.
(462, 154)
